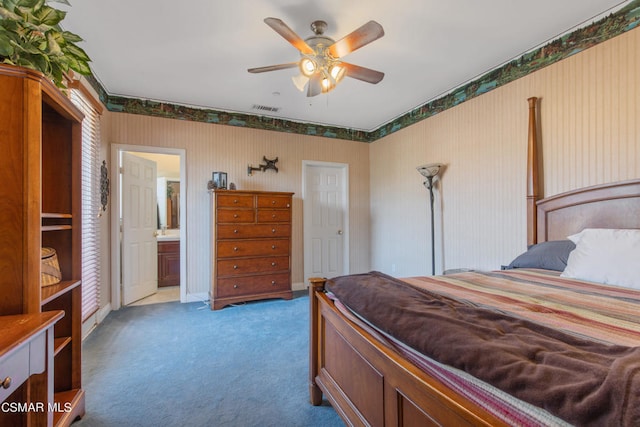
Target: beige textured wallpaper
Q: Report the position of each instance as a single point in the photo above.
(589, 135)
(211, 147)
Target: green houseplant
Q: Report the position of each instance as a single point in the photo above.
(31, 37)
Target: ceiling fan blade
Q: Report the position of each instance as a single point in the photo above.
(273, 67)
(283, 29)
(315, 85)
(355, 40)
(361, 73)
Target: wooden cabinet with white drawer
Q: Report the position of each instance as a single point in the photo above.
(251, 246)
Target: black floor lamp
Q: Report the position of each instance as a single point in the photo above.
(430, 171)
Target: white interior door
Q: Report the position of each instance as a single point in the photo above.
(139, 226)
(326, 213)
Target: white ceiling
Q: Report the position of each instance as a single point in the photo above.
(196, 52)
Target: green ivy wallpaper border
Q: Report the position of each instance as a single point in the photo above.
(563, 47)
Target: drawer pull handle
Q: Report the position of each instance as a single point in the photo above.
(235, 286)
(273, 282)
(235, 267)
(235, 215)
(273, 230)
(273, 264)
(273, 246)
(6, 383)
(288, 205)
(273, 216)
(235, 200)
(235, 231)
(273, 202)
(235, 249)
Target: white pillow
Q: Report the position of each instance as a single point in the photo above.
(610, 256)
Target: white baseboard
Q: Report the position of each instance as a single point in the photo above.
(103, 312)
(94, 320)
(197, 297)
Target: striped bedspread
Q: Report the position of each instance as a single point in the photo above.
(589, 310)
(567, 346)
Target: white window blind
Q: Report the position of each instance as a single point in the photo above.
(91, 207)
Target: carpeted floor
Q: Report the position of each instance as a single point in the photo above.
(175, 364)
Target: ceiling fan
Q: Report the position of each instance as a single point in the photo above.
(320, 63)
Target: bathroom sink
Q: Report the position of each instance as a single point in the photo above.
(168, 236)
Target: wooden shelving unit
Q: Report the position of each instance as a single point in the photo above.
(41, 175)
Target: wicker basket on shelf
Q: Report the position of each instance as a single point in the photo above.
(50, 270)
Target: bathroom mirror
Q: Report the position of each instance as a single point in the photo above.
(168, 203)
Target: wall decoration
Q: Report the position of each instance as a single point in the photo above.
(104, 186)
(269, 164)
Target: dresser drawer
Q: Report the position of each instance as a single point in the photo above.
(274, 215)
(252, 265)
(235, 200)
(265, 201)
(243, 231)
(231, 287)
(236, 215)
(246, 248)
(15, 367)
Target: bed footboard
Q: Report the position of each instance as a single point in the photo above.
(370, 384)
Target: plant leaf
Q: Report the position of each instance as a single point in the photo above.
(30, 4)
(9, 5)
(82, 68)
(27, 8)
(31, 36)
(40, 28)
(50, 16)
(56, 74)
(77, 52)
(70, 37)
(6, 12)
(54, 47)
(41, 61)
(6, 49)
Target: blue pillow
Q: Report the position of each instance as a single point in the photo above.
(551, 255)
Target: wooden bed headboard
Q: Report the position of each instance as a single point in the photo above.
(615, 205)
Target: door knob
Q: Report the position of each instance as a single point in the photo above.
(340, 232)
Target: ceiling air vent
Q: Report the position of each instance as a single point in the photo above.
(265, 108)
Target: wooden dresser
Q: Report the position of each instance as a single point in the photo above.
(251, 246)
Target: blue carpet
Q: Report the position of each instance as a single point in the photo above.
(178, 364)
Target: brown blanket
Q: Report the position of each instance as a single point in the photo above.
(581, 381)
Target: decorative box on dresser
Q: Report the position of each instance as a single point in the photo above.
(251, 246)
(40, 167)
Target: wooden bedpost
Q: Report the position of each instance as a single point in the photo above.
(532, 175)
(315, 394)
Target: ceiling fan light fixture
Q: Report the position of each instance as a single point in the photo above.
(320, 64)
(307, 66)
(300, 81)
(326, 85)
(337, 72)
